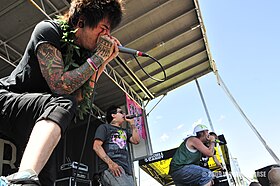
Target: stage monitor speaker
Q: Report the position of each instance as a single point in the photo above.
(69, 181)
(70, 170)
(221, 181)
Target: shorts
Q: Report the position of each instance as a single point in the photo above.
(20, 112)
(192, 174)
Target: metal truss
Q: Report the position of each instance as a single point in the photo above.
(7, 51)
(122, 84)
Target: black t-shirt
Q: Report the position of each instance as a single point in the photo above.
(27, 76)
(115, 145)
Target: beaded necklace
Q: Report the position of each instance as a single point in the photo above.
(72, 50)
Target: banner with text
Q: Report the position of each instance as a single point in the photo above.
(144, 148)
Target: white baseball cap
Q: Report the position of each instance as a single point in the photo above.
(199, 128)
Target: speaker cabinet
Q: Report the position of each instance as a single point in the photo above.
(69, 181)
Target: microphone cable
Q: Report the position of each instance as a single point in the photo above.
(87, 127)
(163, 70)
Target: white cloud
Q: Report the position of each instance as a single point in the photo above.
(159, 117)
(164, 137)
(221, 118)
(179, 126)
(156, 119)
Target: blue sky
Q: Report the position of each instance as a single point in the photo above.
(244, 41)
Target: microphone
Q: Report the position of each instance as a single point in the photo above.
(218, 141)
(133, 116)
(132, 51)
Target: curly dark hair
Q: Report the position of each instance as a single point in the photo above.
(93, 11)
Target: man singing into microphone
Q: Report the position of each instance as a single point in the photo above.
(54, 83)
(110, 145)
(204, 159)
(184, 166)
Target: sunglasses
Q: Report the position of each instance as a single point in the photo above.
(120, 111)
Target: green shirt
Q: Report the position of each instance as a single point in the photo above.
(184, 157)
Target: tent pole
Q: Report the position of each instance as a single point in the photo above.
(270, 151)
(204, 105)
(212, 128)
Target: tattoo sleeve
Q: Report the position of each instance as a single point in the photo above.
(52, 68)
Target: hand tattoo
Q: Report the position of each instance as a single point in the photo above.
(104, 47)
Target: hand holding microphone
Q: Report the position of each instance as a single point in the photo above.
(214, 138)
(105, 51)
(219, 141)
(211, 138)
(129, 118)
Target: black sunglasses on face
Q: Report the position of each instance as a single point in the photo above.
(120, 111)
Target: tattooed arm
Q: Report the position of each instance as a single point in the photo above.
(52, 66)
(60, 82)
(114, 168)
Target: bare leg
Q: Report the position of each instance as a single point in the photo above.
(43, 139)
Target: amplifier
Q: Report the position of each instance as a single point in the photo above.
(72, 173)
(69, 181)
(74, 165)
(70, 170)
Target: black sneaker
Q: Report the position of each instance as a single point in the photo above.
(25, 178)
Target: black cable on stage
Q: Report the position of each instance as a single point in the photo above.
(160, 80)
(87, 127)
